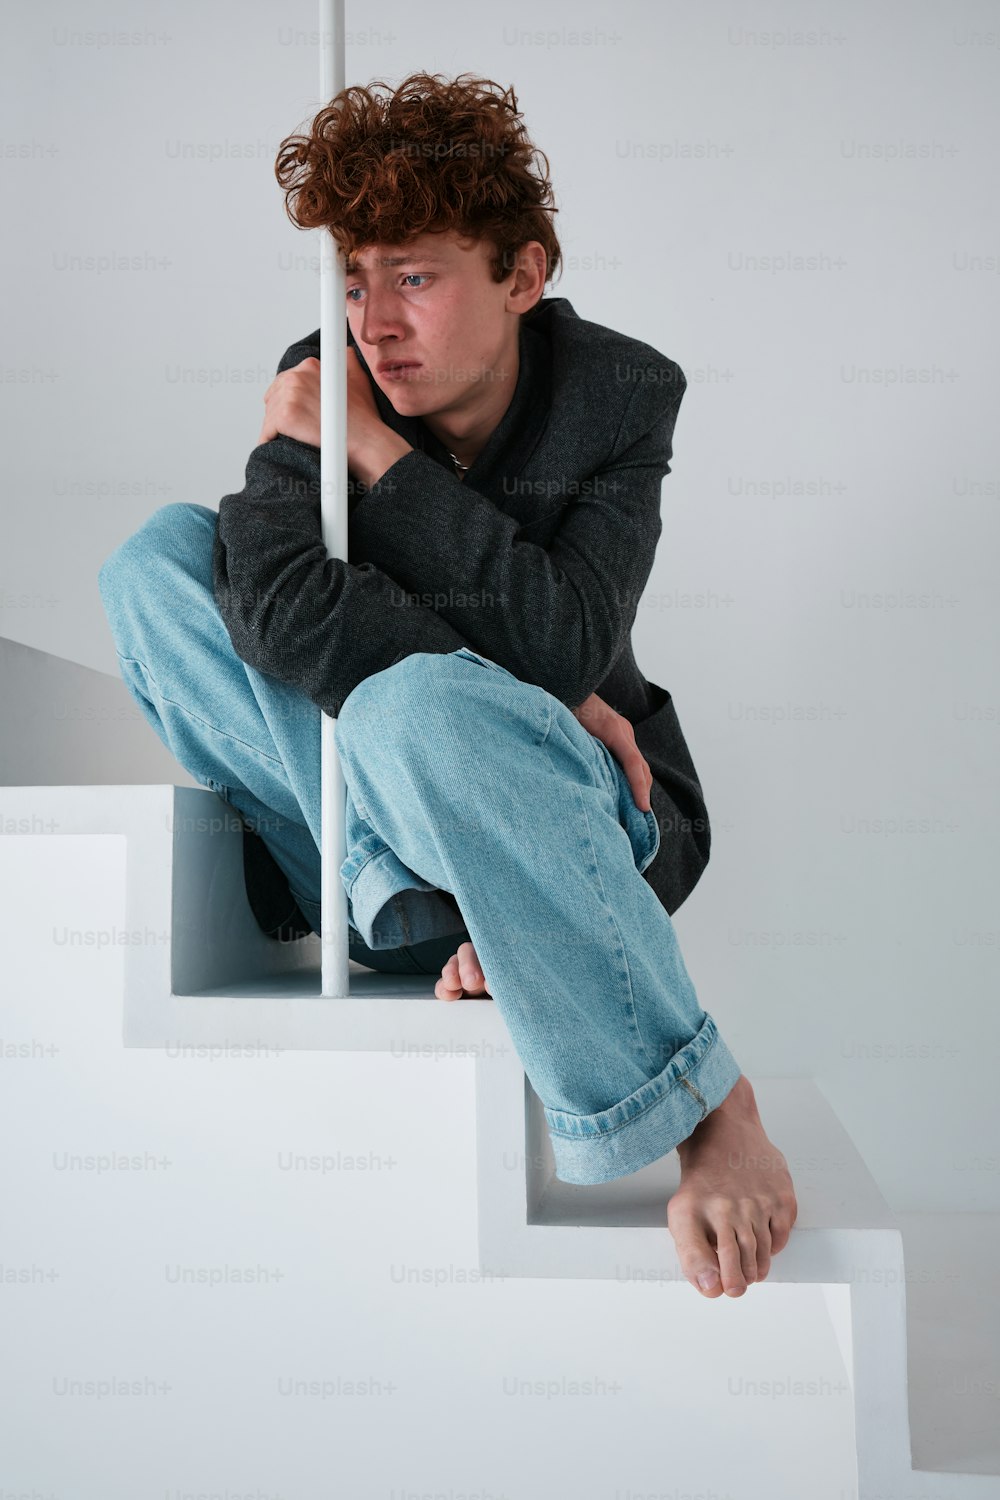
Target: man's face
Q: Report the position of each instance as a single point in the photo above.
(439, 308)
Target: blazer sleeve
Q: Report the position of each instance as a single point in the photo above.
(291, 609)
(557, 614)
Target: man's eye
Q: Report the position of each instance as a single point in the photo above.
(407, 276)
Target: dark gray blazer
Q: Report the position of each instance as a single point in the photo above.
(537, 558)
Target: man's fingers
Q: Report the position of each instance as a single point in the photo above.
(640, 779)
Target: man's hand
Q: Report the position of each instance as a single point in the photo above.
(292, 404)
(292, 407)
(615, 731)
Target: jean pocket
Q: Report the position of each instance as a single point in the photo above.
(653, 829)
(641, 826)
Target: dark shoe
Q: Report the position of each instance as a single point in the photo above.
(272, 903)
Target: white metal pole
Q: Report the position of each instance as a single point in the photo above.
(333, 514)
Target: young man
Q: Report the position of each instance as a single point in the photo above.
(512, 776)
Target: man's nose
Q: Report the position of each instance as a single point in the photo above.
(380, 319)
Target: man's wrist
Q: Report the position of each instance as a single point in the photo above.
(378, 456)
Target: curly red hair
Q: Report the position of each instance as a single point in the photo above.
(432, 155)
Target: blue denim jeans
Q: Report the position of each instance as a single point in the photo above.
(460, 778)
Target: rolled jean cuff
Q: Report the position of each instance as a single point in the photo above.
(651, 1121)
(389, 905)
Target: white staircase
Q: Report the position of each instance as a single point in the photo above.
(198, 972)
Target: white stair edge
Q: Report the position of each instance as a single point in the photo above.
(210, 977)
(845, 1239)
(199, 972)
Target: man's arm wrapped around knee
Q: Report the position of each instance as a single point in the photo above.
(291, 609)
(436, 564)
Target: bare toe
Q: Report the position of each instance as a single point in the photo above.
(734, 1283)
(449, 986)
(698, 1259)
(473, 980)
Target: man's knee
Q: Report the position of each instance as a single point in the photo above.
(398, 702)
(179, 534)
(394, 695)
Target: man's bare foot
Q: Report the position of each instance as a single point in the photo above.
(736, 1205)
(462, 978)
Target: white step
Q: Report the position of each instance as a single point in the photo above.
(198, 972)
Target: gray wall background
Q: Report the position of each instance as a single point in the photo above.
(795, 205)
